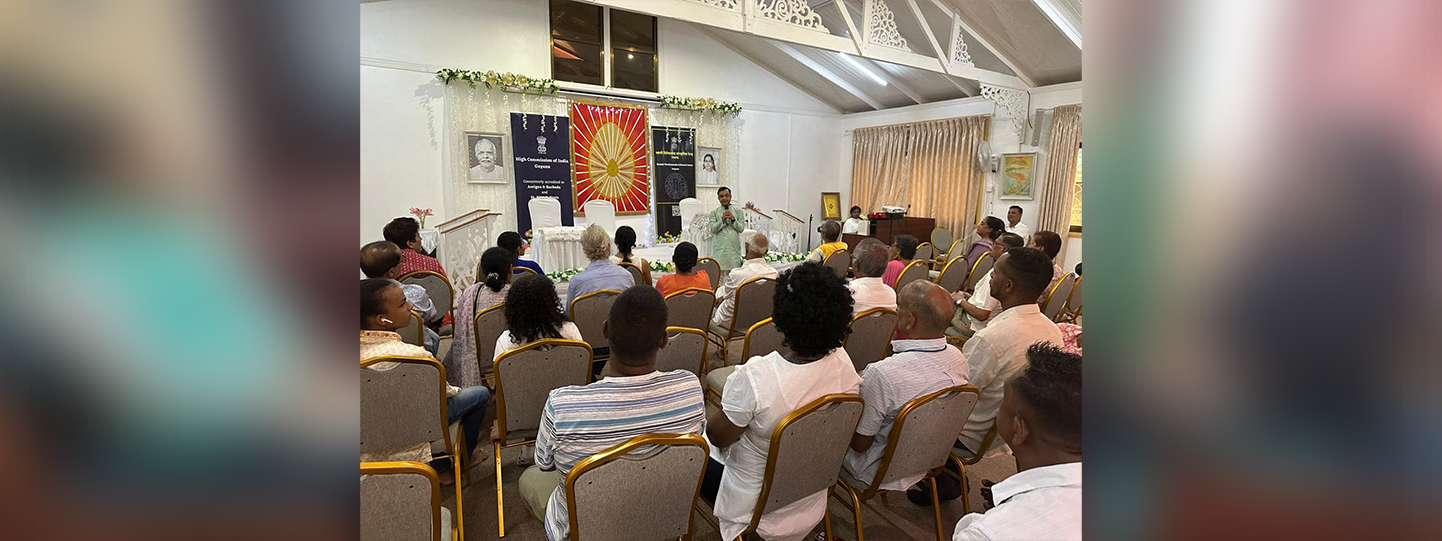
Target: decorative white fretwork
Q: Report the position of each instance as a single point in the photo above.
(960, 55)
(881, 26)
(1013, 101)
(796, 12)
(729, 5)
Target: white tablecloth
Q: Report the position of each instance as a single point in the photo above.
(558, 248)
(430, 238)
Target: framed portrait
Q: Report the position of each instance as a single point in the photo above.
(830, 205)
(1018, 171)
(486, 158)
(708, 166)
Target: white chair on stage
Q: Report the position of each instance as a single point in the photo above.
(601, 213)
(545, 212)
(690, 207)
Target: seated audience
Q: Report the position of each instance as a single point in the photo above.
(997, 353)
(384, 310)
(988, 230)
(406, 233)
(1071, 337)
(867, 289)
(1014, 225)
(382, 259)
(755, 266)
(601, 273)
(902, 253)
(533, 312)
(462, 365)
(854, 224)
(1040, 418)
(512, 242)
(1049, 243)
(919, 366)
(633, 399)
(625, 242)
(974, 309)
(686, 277)
(831, 242)
(812, 310)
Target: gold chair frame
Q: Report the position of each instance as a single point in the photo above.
(449, 309)
(638, 276)
(715, 280)
(599, 459)
(420, 328)
(1052, 292)
(571, 309)
(826, 262)
(745, 354)
(945, 267)
(705, 347)
(1068, 314)
(475, 331)
(864, 315)
(736, 309)
(416, 468)
(908, 266)
(698, 291)
(523, 270)
(970, 283)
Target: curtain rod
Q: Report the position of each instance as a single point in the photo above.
(985, 115)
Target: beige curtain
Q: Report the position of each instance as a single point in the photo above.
(1054, 212)
(928, 165)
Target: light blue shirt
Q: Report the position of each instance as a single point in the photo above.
(600, 274)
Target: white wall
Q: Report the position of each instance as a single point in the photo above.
(787, 150)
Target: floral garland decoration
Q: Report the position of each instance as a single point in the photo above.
(563, 276)
(665, 239)
(709, 105)
(504, 80)
(781, 257)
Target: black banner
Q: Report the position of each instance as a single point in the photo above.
(675, 166)
(542, 145)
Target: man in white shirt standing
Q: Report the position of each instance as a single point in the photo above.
(854, 223)
(1041, 420)
(973, 310)
(1014, 225)
(868, 290)
(755, 266)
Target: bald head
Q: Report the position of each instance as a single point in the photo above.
(757, 245)
(830, 231)
(929, 304)
(379, 258)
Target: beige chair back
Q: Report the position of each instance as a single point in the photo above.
(404, 405)
(1056, 298)
(713, 270)
(412, 334)
(924, 252)
(753, 302)
(870, 336)
(635, 272)
(400, 501)
(941, 237)
(763, 338)
(979, 269)
(839, 261)
(916, 270)
(806, 451)
(589, 311)
(953, 275)
(437, 287)
(490, 323)
(685, 350)
(526, 376)
(690, 308)
(923, 433)
(642, 489)
(1073, 306)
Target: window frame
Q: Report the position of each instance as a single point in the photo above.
(608, 56)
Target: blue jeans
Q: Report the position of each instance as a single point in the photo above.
(470, 407)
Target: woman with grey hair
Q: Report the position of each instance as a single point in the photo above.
(601, 273)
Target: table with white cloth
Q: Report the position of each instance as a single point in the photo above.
(558, 248)
(430, 238)
(656, 275)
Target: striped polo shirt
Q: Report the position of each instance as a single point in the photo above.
(582, 420)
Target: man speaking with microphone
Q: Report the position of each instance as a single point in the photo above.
(726, 224)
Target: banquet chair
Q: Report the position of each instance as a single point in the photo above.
(400, 501)
(690, 207)
(919, 444)
(437, 287)
(412, 333)
(870, 336)
(522, 270)
(953, 275)
(941, 237)
(1056, 298)
(916, 270)
(924, 253)
(524, 379)
(403, 414)
(602, 213)
(713, 270)
(805, 456)
(763, 338)
(489, 324)
(685, 350)
(644, 488)
(1073, 307)
(690, 307)
(752, 304)
(839, 261)
(545, 212)
(979, 269)
(635, 273)
(588, 312)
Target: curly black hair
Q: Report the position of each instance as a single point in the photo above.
(402, 231)
(812, 309)
(1051, 386)
(907, 245)
(533, 310)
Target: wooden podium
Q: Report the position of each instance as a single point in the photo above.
(887, 229)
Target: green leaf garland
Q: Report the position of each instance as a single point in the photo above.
(493, 79)
(709, 105)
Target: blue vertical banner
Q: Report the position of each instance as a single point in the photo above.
(542, 146)
(675, 166)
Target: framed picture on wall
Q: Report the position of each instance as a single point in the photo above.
(1017, 175)
(830, 205)
(485, 156)
(708, 166)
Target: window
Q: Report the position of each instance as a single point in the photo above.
(1076, 195)
(602, 47)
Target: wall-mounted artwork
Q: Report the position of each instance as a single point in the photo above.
(708, 166)
(1018, 173)
(830, 205)
(485, 151)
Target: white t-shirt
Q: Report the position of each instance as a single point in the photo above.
(1021, 230)
(505, 343)
(981, 298)
(868, 293)
(852, 225)
(1039, 503)
(757, 396)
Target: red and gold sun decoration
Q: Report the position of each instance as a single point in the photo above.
(609, 156)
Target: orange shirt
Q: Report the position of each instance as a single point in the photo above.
(672, 283)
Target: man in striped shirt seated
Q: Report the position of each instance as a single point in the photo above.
(632, 399)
